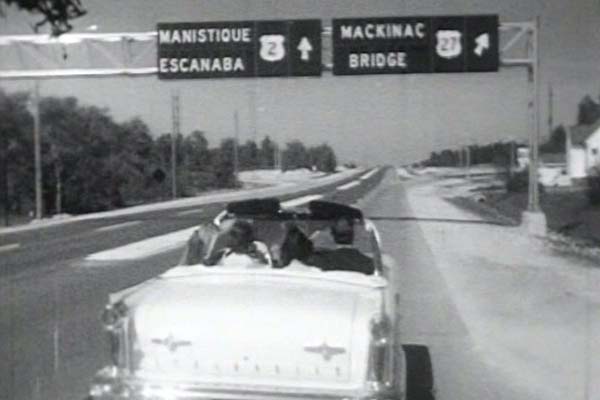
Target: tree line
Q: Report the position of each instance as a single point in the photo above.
(497, 153)
(92, 163)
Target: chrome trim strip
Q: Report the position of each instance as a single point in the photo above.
(114, 385)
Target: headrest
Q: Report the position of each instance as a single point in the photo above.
(330, 211)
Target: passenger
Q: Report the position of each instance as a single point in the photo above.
(200, 246)
(242, 249)
(296, 250)
(345, 257)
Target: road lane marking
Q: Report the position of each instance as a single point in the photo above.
(301, 200)
(348, 185)
(144, 248)
(8, 247)
(369, 174)
(118, 226)
(187, 212)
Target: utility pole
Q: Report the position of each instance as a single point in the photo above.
(4, 177)
(174, 135)
(511, 159)
(57, 163)
(534, 219)
(275, 155)
(568, 152)
(235, 146)
(550, 108)
(468, 162)
(37, 149)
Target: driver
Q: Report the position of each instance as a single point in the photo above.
(345, 257)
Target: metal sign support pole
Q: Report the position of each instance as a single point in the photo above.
(533, 204)
(534, 219)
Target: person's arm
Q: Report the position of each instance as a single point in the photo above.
(263, 253)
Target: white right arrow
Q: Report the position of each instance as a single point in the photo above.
(305, 48)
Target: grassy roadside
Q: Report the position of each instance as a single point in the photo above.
(574, 225)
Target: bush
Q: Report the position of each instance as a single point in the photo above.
(593, 186)
(519, 183)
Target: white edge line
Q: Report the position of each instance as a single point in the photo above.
(348, 185)
(9, 247)
(117, 226)
(369, 174)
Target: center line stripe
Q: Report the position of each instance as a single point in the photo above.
(118, 226)
(194, 211)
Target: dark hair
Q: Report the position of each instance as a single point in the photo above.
(342, 230)
(241, 237)
(295, 246)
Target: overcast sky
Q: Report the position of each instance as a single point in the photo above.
(381, 119)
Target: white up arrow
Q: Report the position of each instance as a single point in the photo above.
(483, 43)
(305, 48)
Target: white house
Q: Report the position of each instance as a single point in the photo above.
(583, 144)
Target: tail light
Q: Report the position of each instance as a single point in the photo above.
(113, 315)
(380, 353)
(113, 320)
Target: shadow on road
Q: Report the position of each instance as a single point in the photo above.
(441, 220)
(419, 373)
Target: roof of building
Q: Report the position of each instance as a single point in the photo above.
(580, 133)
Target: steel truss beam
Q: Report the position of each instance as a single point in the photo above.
(78, 55)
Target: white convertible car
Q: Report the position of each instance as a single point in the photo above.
(207, 330)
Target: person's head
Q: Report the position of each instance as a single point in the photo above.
(295, 246)
(240, 236)
(342, 230)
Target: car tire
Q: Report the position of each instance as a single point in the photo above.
(419, 373)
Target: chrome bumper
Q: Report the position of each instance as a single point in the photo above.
(109, 384)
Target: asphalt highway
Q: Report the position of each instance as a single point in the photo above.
(51, 341)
